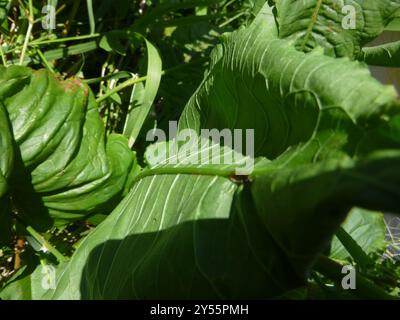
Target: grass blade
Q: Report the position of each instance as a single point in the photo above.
(137, 116)
(92, 22)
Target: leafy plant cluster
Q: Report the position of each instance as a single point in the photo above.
(85, 206)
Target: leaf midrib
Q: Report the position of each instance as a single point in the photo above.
(209, 171)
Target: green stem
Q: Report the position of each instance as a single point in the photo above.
(310, 27)
(45, 62)
(227, 4)
(133, 81)
(118, 75)
(38, 237)
(92, 22)
(28, 33)
(365, 289)
(3, 57)
(231, 19)
(77, 38)
(123, 85)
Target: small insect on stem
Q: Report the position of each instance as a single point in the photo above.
(239, 179)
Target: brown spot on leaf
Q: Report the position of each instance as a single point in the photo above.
(73, 84)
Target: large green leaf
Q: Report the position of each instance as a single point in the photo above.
(394, 25)
(261, 82)
(6, 165)
(6, 146)
(313, 107)
(302, 203)
(28, 283)
(65, 167)
(18, 286)
(312, 23)
(179, 235)
(367, 229)
(197, 233)
(387, 55)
